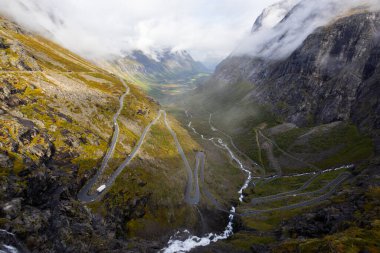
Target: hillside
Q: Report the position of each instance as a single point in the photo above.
(57, 120)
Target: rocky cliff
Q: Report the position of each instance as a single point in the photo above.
(322, 80)
(331, 76)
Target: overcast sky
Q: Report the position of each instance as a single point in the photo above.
(209, 29)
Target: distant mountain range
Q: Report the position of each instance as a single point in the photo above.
(164, 66)
(168, 64)
(161, 74)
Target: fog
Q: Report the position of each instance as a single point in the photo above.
(208, 29)
(278, 40)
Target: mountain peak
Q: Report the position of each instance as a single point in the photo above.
(272, 15)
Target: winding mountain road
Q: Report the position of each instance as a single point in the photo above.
(199, 156)
(298, 192)
(192, 193)
(333, 185)
(266, 198)
(84, 195)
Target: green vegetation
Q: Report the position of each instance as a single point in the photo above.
(50, 58)
(244, 241)
(285, 140)
(71, 102)
(325, 146)
(153, 166)
(277, 185)
(356, 146)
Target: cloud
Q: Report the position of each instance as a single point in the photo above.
(208, 29)
(281, 39)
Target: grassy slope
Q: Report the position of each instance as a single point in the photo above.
(91, 118)
(72, 102)
(156, 172)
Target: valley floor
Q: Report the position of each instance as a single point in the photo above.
(301, 176)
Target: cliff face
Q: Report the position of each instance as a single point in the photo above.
(321, 80)
(332, 76)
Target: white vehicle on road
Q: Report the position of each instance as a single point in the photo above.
(101, 188)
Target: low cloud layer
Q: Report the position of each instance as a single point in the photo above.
(208, 29)
(279, 40)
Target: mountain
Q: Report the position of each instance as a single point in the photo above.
(64, 121)
(56, 112)
(162, 74)
(323, 80)
(164, 66)
(272, 15)
(278, 151)
(168, 65)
